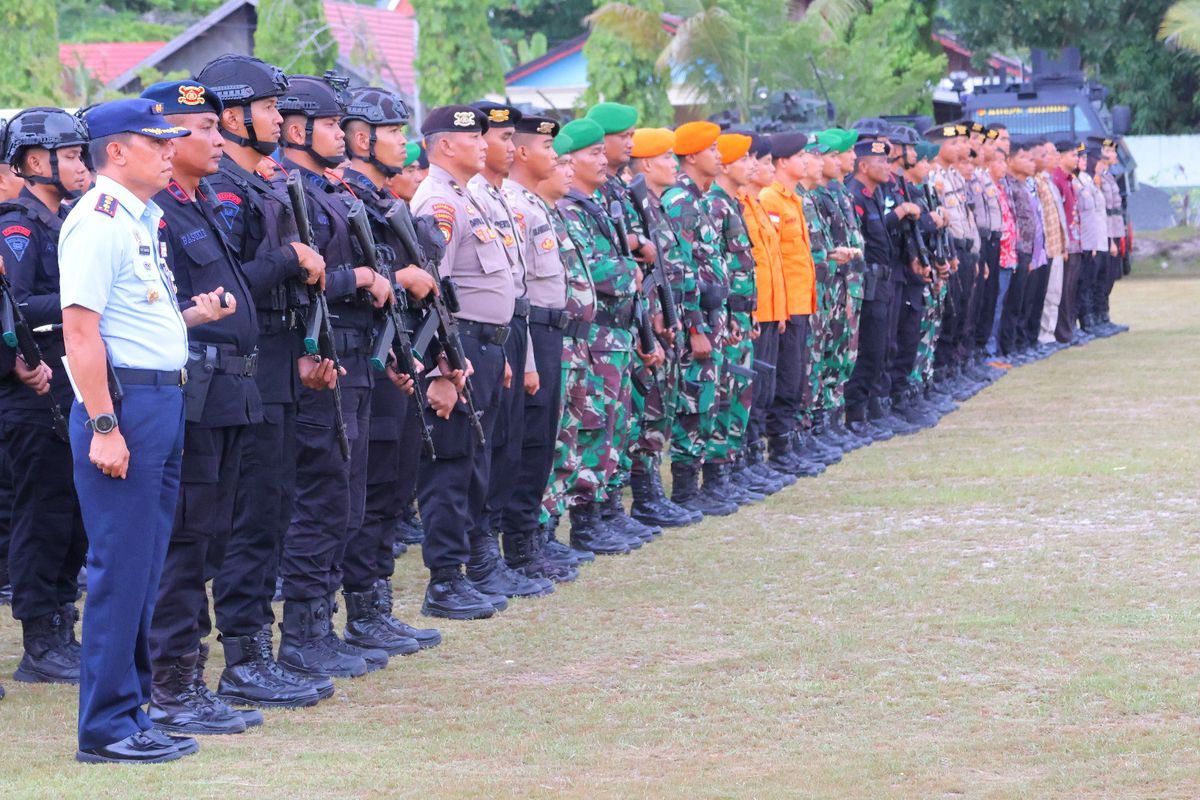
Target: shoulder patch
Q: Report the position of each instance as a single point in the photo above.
(107, 204)
(17, 239)
(229, 205)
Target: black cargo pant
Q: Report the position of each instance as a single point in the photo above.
(872, 349)
(508, 433)
(790, 369)
(766, 358)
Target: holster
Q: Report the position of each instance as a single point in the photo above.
(201, 366)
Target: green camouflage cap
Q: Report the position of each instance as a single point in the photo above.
(581, 133)
(613, 117)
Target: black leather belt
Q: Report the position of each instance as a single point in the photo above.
(521, 307)
(577, 329)
(484, 331)
(740, 303)
(550, 317)
(150, 377)
(622, 319)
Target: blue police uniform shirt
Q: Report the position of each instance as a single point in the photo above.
(111, 262)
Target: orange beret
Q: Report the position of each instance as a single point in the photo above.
(651, 142)
(692, 137)
(733, 146)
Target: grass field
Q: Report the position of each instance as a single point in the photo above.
(1006, 606)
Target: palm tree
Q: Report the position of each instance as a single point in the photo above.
(1181, 25)
(722, 53)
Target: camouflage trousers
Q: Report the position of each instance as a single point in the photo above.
(696, 403)
(653, 409)
(848, 348)
(931, 326)
(828, 340)
(615, 370)
(734, 394)
(595, 401)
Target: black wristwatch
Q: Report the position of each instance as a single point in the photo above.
(102, 423)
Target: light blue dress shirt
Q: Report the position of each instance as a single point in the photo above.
(112, 263)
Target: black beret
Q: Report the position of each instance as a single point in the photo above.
(498, 114)
(785, 145)
(1066, 145)
(544, 126)
(760, 145)
(460, 119)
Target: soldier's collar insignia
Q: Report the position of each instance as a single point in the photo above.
(177, 192)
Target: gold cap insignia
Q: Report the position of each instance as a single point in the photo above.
(498, 115)
(546, 128)
(191, 95)
(878, 148)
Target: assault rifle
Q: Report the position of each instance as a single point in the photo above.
(16, 333)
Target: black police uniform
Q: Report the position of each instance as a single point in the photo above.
(221, 400)
(879, 252)
(330, 493)
(394, 447)
(908, 295)
(258, 225)
(47, 545)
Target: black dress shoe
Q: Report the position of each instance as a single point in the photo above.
(186, 745)
(138, 748)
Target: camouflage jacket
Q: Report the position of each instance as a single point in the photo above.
(697, 248)
(734, 241)
(818, 227)
(612, 274)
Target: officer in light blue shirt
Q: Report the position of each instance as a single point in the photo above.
(126, 343)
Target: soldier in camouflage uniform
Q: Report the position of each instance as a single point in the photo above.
(826, 323)
(655, 387)
(835, 206)
(736, 388)
(618, 122)
(703, 290)
(610, 339)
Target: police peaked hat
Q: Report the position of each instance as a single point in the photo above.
(50, 128)
(455, 119)
(184, 97)
(240, 80)
(498, 114)
(872, 147)
(315, 97)
(376, 106)
(131, 115)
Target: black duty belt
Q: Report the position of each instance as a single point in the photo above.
(150, 377)
(521, 307)
(712, 295)
(550, 317)
(740, 303)
(621, 318)
(577, 329)
(484, 331)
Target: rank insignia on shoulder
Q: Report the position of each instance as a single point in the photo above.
(107, 204)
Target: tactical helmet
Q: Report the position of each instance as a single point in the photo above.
(315, 98)
(376, 106)
(240, 80)
(50, 128)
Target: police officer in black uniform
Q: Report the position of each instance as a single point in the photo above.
(220, 401)
(374, 125)
(45, 146)
(330, 491)
(261, 231)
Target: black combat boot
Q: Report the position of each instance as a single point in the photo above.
(47, 659)
(756, 462)
(366, 627)
(743, 477)
(557, 551)
(409, 528)
(375, 658)
(426, 637)
(651, 506)
(523, 554)
(904, 408)
(176, 705)
(656, 477)
(784, 458)
(253, 677)
(491, 576)
(399, 548)
(451, 596)
(590, 534)
(724, 486)
(685, 490)
(250, 716)
(806, 446)
(304, 646)
(68, 615)
(612, 514)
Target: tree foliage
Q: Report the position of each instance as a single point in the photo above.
(1181, 25)
(294, 35)
(526, 29)
(1118, 42)
(32, 74)
(458, 59)
(622, 59)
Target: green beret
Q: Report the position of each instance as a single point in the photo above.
(848, 139)
(412, 151)
(927, 151)
(816, 146)
(830, 139)
(563, 144)
(581, 133)
(613, 117)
